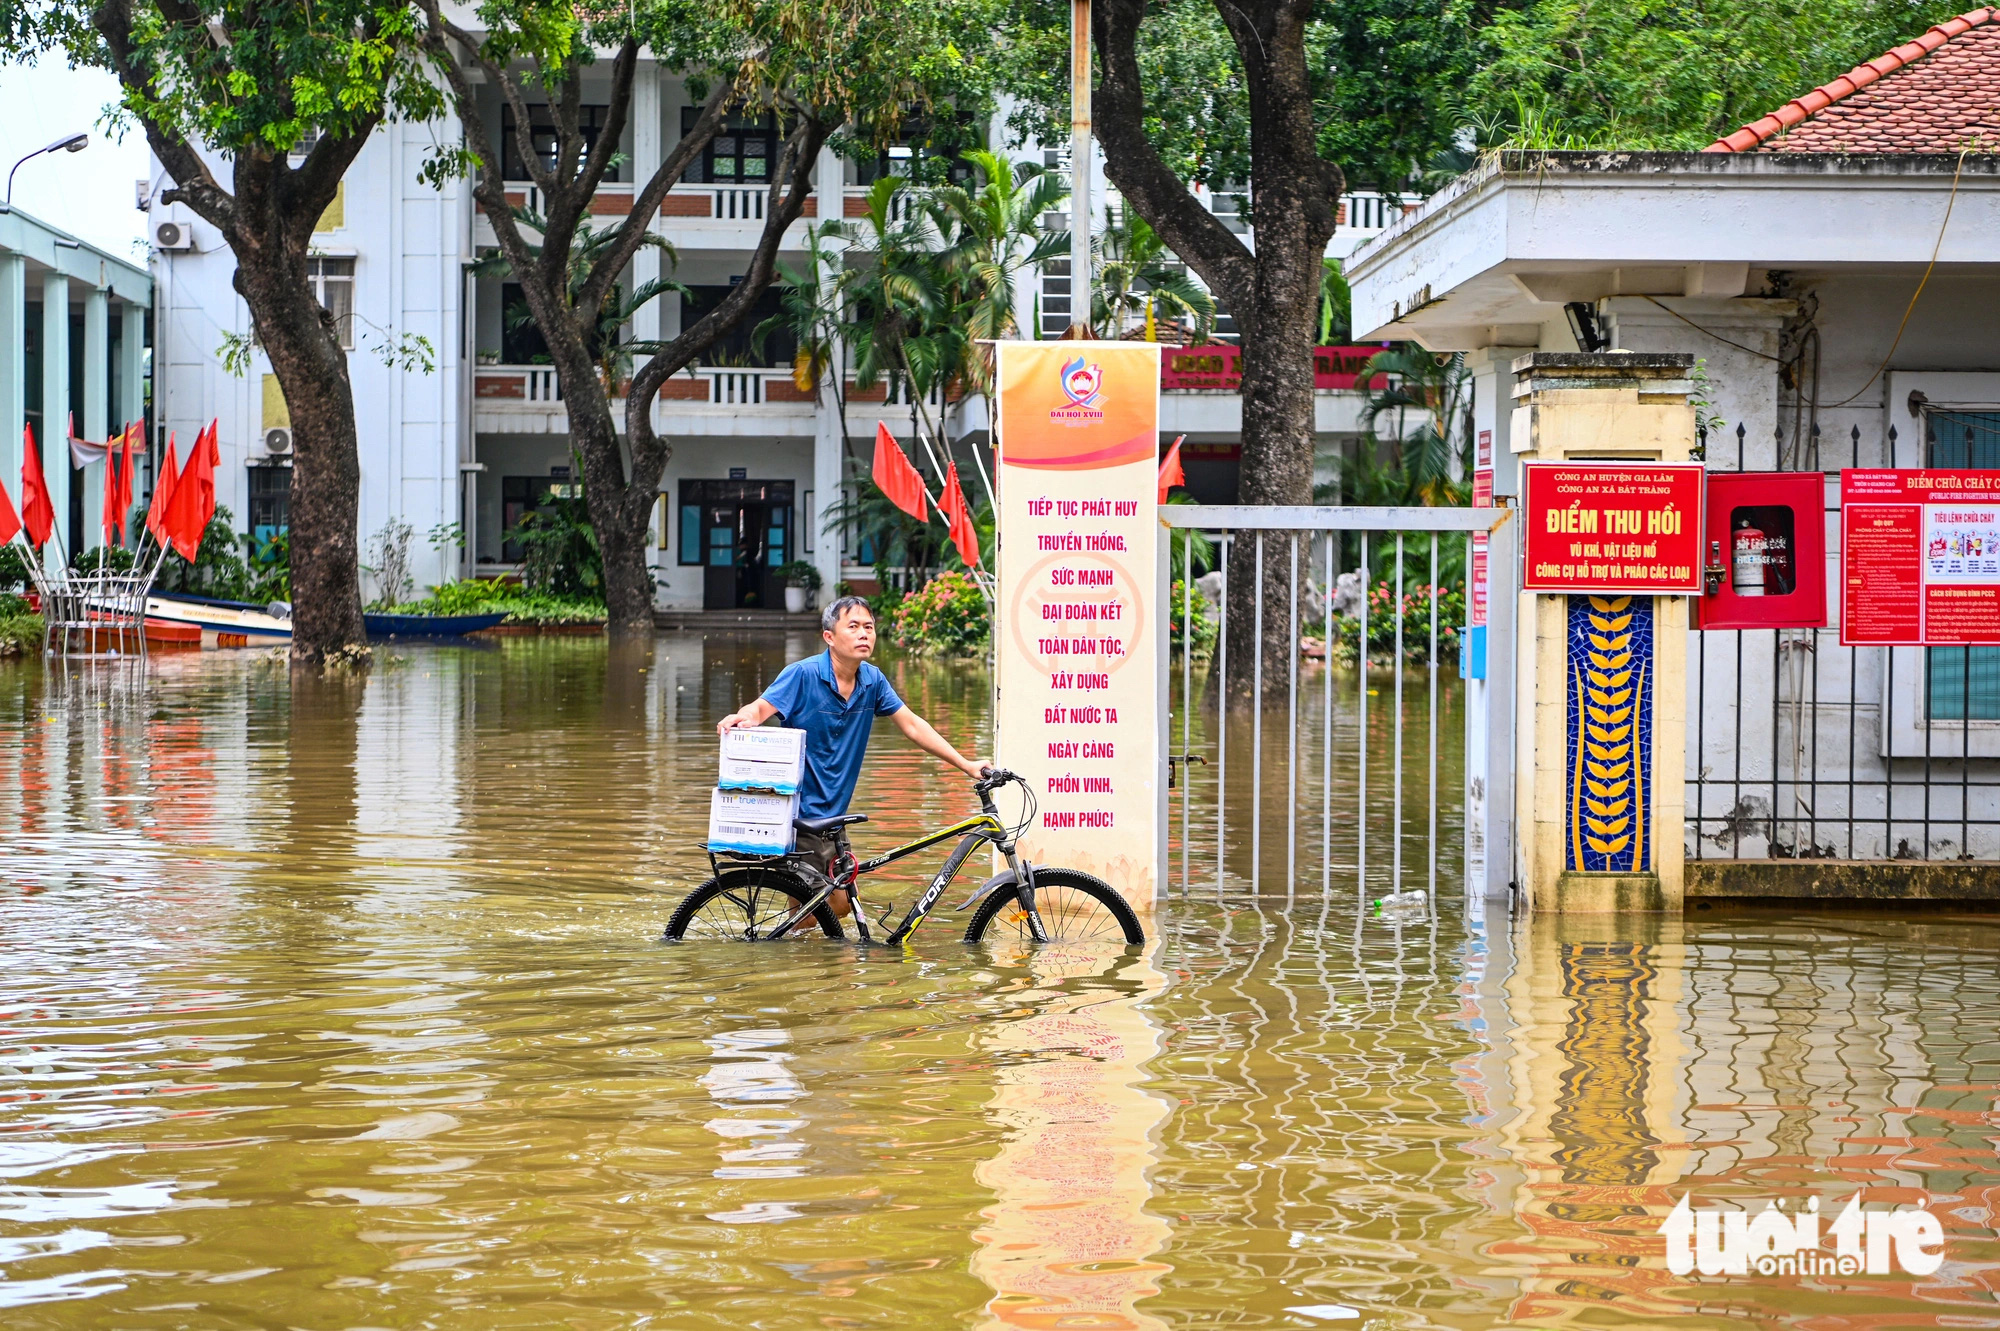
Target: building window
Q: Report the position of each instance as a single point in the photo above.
(270, 501)
(1963, 683)
(728, 522)
(542, 132)
(742, 152)
(333, 286)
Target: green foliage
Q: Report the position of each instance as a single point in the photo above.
(1185, 543)
(103, 559)
(800, 573)
(1137, 283)
(217, 570)
(238, 76)
(1386, 77)
(477, 596)
(1203, 615)
(1336, 305)
(1416, 625)
(559, 551)
(20, 631)
(13, 567)
(1428, 397)
(1665, 74)
(947, 617)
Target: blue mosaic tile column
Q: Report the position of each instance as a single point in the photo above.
(1608, 804)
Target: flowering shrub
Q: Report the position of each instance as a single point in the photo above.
(1416, 625)
(948, 617)
(1204, 622)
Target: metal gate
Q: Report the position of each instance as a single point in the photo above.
(1369, 760)
(1801, 748)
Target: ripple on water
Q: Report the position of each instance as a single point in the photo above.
(343, 1005)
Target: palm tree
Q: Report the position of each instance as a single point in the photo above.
(993, 237)
(1428, 465)
(1136, 278)
(614, 358)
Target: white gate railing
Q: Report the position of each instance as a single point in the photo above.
(1302, 553)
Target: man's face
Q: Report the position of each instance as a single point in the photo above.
(853, 635)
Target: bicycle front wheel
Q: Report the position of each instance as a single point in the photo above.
(746, 904)
(1074, 907)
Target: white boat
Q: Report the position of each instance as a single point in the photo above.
(224, 623)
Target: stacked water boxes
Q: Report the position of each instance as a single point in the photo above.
(757, 795)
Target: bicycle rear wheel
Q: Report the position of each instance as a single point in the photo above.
(1074, 907)
(742, 904)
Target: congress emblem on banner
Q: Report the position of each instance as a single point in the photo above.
(1082, 384)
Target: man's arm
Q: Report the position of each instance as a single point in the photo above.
(922, 734)
(756, 714)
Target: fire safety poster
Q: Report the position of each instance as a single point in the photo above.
(1077, 655)
(1919, 558)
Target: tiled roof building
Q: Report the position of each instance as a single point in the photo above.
(1937, 94)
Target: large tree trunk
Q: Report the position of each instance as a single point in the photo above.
(268, 224)
(311, 368)
(1273, 293)
(621, 477)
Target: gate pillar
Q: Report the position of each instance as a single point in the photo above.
(1600, 407)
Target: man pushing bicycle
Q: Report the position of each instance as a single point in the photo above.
(835, 697)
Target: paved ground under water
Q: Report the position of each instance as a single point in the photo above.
(342, 1005)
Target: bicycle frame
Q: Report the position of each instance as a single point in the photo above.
(984, 826)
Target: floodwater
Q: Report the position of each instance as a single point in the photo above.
(342, 1005)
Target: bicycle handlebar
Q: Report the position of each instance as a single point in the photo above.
(997, 777)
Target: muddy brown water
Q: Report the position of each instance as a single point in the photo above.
(342, 1006)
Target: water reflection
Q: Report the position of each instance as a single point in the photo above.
(343, 1005)
(1068, 1240)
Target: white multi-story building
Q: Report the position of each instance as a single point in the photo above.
(483, 437)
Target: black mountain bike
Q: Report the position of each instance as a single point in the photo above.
(759, 900)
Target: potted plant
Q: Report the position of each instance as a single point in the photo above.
(799, 577)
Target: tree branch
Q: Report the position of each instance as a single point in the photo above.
(1119, 111)
(193, 182)
(646, 202)
(795, 175)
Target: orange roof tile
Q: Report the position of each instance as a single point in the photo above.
(1937, 94)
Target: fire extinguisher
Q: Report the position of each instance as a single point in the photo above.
(1747, 560)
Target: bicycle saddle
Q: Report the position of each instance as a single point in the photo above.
(821, 826)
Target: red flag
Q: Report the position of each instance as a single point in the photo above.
(163, 494)
(958, 518)
(896, 478)
(108, 519)
(193, 502)
(38, 515)
(124, 513)
(1170, 470)
(10, 522)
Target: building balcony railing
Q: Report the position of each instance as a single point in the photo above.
(722, 203)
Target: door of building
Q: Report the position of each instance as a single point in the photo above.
(739, 531)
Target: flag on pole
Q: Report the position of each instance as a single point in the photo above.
(124, 512)
(1170, 470)
(958, 517)
(38, 514)
(163, 495)
(10, 522)
(193, 503)
(896, 478)
(108, 513)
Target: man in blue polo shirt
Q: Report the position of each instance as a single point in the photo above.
(835, 697)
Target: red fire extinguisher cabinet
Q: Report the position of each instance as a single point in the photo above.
(1764, 551)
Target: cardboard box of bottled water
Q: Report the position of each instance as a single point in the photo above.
(751, 822)
(763, 758)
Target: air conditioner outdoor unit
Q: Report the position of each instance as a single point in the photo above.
(174, 236)
(278, 441)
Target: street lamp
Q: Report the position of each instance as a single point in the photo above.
(71, 143)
